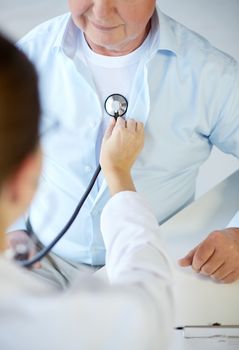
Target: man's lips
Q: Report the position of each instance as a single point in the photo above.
(104, 27)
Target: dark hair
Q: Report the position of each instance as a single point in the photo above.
(19, 108)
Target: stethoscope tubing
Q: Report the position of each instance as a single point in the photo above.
(123, 106)
(40, 255)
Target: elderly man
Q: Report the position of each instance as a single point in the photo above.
(183, 89)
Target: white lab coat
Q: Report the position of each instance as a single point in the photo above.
(135, 312)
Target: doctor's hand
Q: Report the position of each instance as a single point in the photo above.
(22, 245)
(122, 142)
(217, 256)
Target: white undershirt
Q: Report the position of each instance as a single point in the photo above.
(111, 75)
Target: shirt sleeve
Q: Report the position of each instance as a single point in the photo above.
(225, 133)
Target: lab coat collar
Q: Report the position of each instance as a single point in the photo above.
(165, 39)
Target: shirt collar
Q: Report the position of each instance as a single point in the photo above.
(67, 37)
(163, 31)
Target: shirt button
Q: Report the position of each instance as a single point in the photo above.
(88, 169)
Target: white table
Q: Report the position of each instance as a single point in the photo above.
(199, 300)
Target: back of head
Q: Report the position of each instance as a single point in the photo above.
(19, 108)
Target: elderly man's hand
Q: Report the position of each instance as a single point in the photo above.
(217, 256)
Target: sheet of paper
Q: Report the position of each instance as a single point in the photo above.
(220, 342)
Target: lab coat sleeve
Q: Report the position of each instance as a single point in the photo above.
(134, 312)
(135, 258)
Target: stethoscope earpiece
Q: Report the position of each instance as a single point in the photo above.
(116, 105)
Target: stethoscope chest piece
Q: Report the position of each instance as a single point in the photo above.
(116, 105)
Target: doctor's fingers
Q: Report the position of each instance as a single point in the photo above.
(120, 123)
(131, 125)
(136, 132)
(134, 126)
(110, 128)
(140, 127)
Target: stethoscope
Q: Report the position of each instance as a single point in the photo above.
(115, 106)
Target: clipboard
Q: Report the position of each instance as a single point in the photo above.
(214, 337)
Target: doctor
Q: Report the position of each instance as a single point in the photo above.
(136, 310)
(183, 89)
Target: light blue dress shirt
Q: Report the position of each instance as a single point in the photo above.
(185, 91)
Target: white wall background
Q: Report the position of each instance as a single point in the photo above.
(217, 20)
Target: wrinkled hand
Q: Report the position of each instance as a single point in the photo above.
(22, 245)
(121, 145)
(217, 256)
